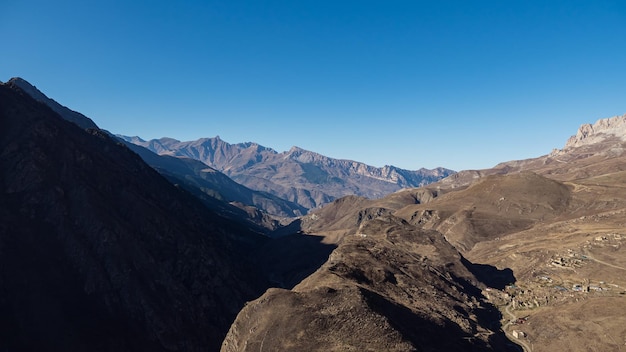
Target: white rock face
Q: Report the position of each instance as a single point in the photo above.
(599, 131)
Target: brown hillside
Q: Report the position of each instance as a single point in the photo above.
(555, 223)
(389, 287)
(494, 206)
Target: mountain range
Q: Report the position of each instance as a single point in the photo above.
(284, 184)
(105, 245)
(299, 176)
(217, 190)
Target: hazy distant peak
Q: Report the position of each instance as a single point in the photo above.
(255, 146)
(133, 139)
(599, 131)
(168, 140)
(297, 151)
(307, 156)
(295, 148)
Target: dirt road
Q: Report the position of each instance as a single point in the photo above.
(509, 334)
(602, 262)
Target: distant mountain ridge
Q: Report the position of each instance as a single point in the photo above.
(302, 179)
(194, 175)
(298, 175)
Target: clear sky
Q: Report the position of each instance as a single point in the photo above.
(458, 84)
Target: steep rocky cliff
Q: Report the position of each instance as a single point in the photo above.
(599, 131)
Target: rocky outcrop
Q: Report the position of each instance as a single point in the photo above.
(594, 149)
(599, 131)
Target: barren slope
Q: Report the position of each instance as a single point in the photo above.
(571, 271)
(555, 222)
(387, 287)
(570, 265)
(491, 207)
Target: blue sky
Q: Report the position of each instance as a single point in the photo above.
(458, 84)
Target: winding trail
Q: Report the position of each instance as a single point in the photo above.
(508, 334)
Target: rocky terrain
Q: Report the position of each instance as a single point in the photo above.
(598, 133)
(100, 252)
(594, 149)
(389, 286)
(300, 176)
(543, 239)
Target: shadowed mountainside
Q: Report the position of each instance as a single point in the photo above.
(99, 252)
(69, 115)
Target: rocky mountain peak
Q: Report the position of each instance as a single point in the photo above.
(295, 149)
(306, 156)
(254, 147)
(598, 132)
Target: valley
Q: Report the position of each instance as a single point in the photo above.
(126, 244)
(569, 287)
(548, 240)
